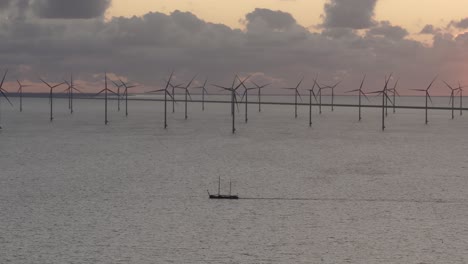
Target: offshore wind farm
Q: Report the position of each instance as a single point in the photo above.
(285, 173)
(328, 131)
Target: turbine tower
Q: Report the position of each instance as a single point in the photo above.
(105, 91)
(3, 92)
(361, 93)
(428, 96)
(204, 91)
(296, 94)
(51, 87)
(166, 93)
(20, 91)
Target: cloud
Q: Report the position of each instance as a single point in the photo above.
(55, 9)
(70, 9)
(429, 29)
(273, 48)
(386, 29)
(355, 14)
(461, 24)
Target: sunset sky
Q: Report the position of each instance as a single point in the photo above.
(276, 41)
(413, 14)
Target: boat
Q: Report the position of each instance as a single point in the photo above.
(223, 196)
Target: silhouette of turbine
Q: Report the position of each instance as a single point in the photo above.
(20, 91)
(166, 93)
(384, 97)
(234, 95)
(428, 96)
(203, 88)
(360, 92)
(126, 86)
(260, 87)
(296, 94)
(70, 89)
(105, 91)
(51, 98)
(3, 92)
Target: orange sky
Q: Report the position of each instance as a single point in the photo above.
(411, 14)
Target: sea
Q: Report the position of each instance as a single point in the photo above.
(341, 191)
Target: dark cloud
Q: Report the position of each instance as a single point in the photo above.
(429, 29)
(272, 20)
(5, 3)
(386, 29)
(461, 24)
(355, 14)
(272, 47)
(70, 9)
(54, 9)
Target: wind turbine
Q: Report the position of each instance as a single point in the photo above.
(452, 98)
(126, 94)
(187, 95)
(166, 93)
(51, 87)
(428, 96)
(118, 86)
(320, 96)
(203, 88)
(312, 93)
(105, 91)
(460, 92)
(395, 93)
(3, 91)
(333, 94)
(246, 94)
(20, 91)
(360, 92)
(233, 98)
(260, 87)
(296, 94)
(384, 97)
(70, 89)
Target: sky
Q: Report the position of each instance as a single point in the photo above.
(274, 41)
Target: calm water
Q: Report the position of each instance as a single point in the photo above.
(76, 191)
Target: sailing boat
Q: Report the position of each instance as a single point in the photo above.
(223, 196)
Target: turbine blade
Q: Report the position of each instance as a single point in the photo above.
(243, 94)
(57, 85)
(155, 91)
(44, 82)
(300, 97)
(6, 97)
(76, 89)
(362, 83)
(448, 85)
(190, 83)
(100, 92)
(169, 80)
(314, 95)
(365, 96)
(3, 79)
(258, 86)
(168, 93)
(430, 85)
(110, 91)
(116, 85)
(299, 84)
(190, 96)
(353, 91)
(222, 87)
(430, 99)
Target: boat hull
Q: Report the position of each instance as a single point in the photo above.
(226, 197)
